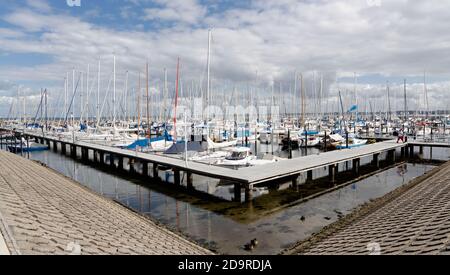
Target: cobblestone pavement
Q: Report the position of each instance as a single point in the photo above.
(43, 212)
(417, 222)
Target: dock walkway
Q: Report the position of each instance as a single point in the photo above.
(43, 212)
(416, 222)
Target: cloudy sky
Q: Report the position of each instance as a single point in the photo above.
(379, 40)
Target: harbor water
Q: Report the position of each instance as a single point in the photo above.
(224, 226)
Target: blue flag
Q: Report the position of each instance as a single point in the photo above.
(353, 108)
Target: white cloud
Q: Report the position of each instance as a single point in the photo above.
(185, 11)
(274, 38)
(40, 5)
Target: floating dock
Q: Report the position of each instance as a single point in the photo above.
(246, 178)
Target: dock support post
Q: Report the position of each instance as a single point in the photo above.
(63, 148)
(155, 170)
(84, 154)
(112, 160)
(73, 151)
(120, 163)
(355, 166)
(95, 153)
(237, 192)
(421, 150)
(431, 152)
(332, 173)
(102, 157)
(402, 152)
(132, 169)
(55, 146)
(190, 184)
(295, 181)
(248, 193)
(309, 176)
(176, 177)
(376, 160)
(36, 140)
(411, 151)
(391, 156)
(145, 169)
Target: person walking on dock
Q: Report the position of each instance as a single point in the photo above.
(401, 136)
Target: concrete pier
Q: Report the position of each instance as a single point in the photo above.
(412, 220)
(43, 212)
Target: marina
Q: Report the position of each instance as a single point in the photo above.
(224, 128)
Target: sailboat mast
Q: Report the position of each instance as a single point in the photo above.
(208, 84)
(66, 90)
(87, 92)
(176, 101)
(73, 96)
(114, 93)
(165, 95)
(389, 102)
(425, 93)
(98, 92)
(404, 99)
(139, 103)
(126, 97)
(302, 92)
(148, 99)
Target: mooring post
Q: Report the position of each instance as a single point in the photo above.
(289, 144)
(176, 177)
(28, 147)
(346, 139)
(376, 160)
(190, 181)
(355, 166)
(21, 145)
(306, 141)
(237, 192)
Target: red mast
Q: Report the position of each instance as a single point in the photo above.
(176, 102)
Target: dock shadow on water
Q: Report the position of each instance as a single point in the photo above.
(224, 226)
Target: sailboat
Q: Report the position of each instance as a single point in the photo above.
(22, 146)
